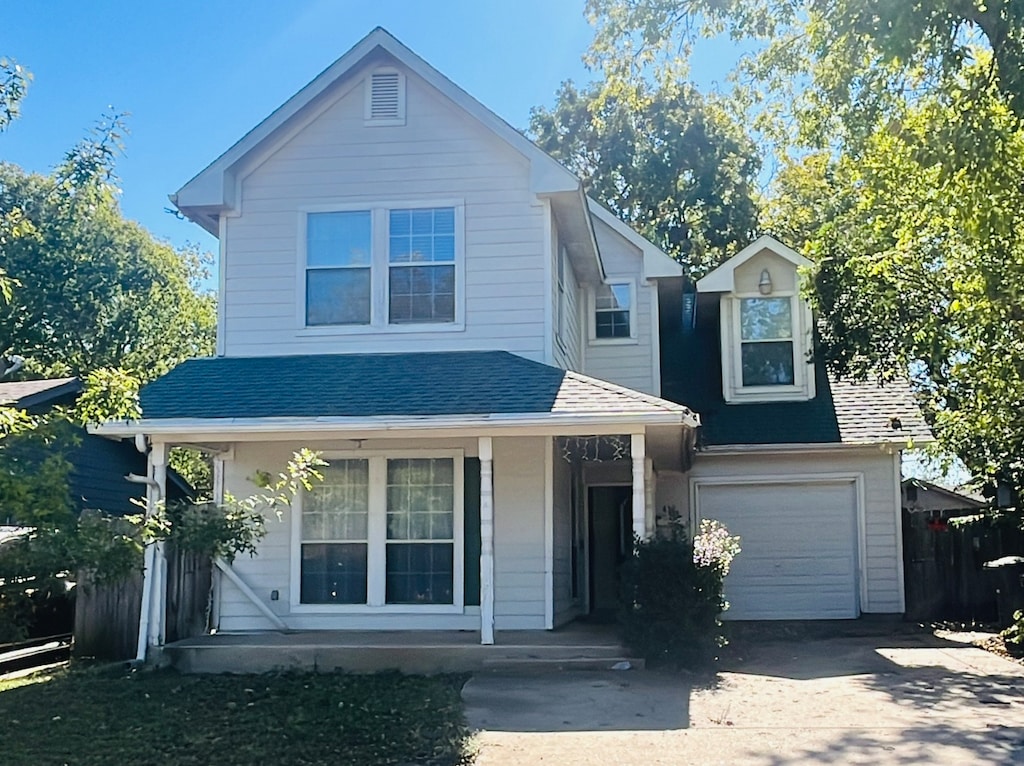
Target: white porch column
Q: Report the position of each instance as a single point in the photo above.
(155, 497)
(486, 452)
(638, 451)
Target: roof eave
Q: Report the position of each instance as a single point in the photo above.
(498, 421)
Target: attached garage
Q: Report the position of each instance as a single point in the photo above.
(799, 541)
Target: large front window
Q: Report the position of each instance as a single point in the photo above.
(766, 341)
(381, 531)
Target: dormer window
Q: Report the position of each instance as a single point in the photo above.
(766, 341)
(766, 325)
(385, 98)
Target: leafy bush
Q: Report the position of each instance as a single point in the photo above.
(672, 595)
(1013, 636)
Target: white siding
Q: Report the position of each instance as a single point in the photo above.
(880, 557)
(568, 347)
(270, 569)
(628, 364)
(565, 608)
(439, 154)
(518, 542)
(519, 560)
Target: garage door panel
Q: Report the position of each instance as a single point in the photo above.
(798, 540)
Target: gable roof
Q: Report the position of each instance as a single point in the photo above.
(721, 279)
(657, 263)
(210, 191)
(467, 384)
(28, 394)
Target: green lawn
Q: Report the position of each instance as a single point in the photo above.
(89, 717)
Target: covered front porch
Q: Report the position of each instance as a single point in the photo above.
(479, 526)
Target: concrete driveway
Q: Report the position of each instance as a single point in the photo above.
(843, 700)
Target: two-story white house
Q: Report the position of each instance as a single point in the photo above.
(508, 383)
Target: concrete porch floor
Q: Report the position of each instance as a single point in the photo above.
(576, 646)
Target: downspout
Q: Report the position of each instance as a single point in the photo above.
(148, 562)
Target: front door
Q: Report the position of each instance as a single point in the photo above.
(610, 542)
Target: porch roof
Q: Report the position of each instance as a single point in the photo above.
(471, 383)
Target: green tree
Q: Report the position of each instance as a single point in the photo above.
(94, 290)
(666, 160)
(14, 80)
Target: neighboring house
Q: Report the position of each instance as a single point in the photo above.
(96, 480)
(499, 373)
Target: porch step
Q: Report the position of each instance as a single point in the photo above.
(548, 664)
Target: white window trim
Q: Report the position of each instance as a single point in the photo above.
(368, 99)
(733, 389)
(379, 269)
(377, 540)
(592, 338)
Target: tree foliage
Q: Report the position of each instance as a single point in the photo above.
(94, 289)
(665, 159)
(901, 180)
(14, 80)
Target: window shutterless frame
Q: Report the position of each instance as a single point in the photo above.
(380, 269)
(802, 388)
(595, 308)
(377, 539)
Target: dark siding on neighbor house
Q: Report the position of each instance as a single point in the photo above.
(691, 374)
(98, 468)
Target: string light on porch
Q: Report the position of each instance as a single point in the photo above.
(594, 449)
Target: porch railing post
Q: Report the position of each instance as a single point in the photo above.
(485, 449)
(638, 452)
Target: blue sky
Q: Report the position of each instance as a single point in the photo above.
(197, 75)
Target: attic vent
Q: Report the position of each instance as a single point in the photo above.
(385, 98)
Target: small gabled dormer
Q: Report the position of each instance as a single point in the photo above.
(766, 327)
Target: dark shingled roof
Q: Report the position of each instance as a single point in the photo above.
(368, 385)
(841, 412)
(32, 394)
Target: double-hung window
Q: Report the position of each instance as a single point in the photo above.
(382, 267)
(766, 341)
(613, 311)
(338, 268)
(383, 531)
(421, 272)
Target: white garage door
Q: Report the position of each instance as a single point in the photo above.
(799, 546)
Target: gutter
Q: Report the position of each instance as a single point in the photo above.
(385, 424)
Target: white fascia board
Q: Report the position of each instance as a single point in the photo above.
(552, 423)
(657, 263)
(211, 186)
(721, 279)
(749, 449)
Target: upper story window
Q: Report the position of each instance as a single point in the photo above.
(421, 275)
(385, 98)
(766, 327)
(381, 267)
(766, 341)
(613, 314)
(338, 263)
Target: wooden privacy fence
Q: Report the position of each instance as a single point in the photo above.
(945, 579)
(107, 616)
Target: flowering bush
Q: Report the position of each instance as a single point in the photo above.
(714, 547)
(672, 595)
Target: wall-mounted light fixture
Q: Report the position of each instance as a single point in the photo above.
(764, 285)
